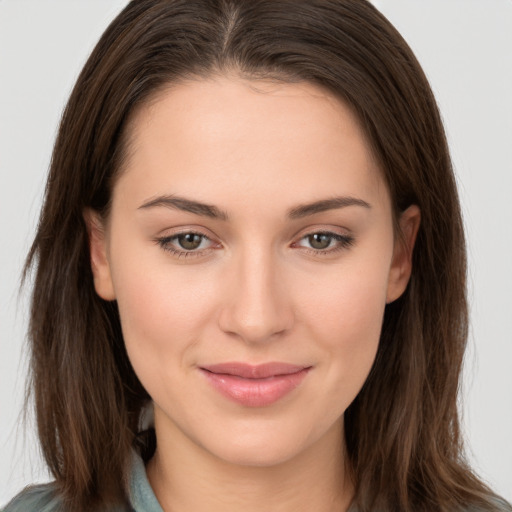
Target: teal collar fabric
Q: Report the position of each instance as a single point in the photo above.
(141, 495)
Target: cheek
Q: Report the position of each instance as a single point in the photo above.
(163, 312)
(344, 315)
(348, 301)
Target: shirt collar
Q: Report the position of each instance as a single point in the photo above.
(141, 495)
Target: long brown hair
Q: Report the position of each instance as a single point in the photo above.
(402, 430)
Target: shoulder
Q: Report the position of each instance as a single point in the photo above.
(496, 504)
(40, 498)
(502, 505)
(45, 498)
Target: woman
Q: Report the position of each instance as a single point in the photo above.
(251, 229)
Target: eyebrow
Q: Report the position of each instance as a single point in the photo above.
(323, 205)
(208, 210)
(186, 205)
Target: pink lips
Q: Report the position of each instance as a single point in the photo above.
(255, 386)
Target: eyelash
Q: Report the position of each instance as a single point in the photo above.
(166, 244)
(343, 243)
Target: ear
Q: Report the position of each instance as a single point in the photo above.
(401, 265)
(100, 264)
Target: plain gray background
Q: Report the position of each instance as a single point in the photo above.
(465, 47)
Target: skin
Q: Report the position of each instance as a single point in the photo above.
(255, 290)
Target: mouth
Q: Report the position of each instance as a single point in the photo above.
(254, 386)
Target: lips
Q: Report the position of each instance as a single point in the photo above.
(255, 386)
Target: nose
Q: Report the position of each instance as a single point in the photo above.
(256, 308)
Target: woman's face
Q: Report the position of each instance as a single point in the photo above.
(249, 227)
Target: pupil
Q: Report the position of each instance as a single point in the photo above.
(190, 241)
(319, 241)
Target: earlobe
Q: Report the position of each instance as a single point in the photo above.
(401, 265)
(100, 264)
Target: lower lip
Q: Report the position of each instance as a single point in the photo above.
(255, 392)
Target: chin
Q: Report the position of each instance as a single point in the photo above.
(265, 445)
(240, 453)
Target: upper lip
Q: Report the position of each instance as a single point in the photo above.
(248, 371)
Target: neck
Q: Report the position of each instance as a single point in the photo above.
(185, 477)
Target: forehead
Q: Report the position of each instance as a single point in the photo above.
(218, 137)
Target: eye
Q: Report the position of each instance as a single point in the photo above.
(324, 242)
(190, 241)
(320, 240)
(186, 244)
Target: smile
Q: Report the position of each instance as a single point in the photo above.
(255, 386)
